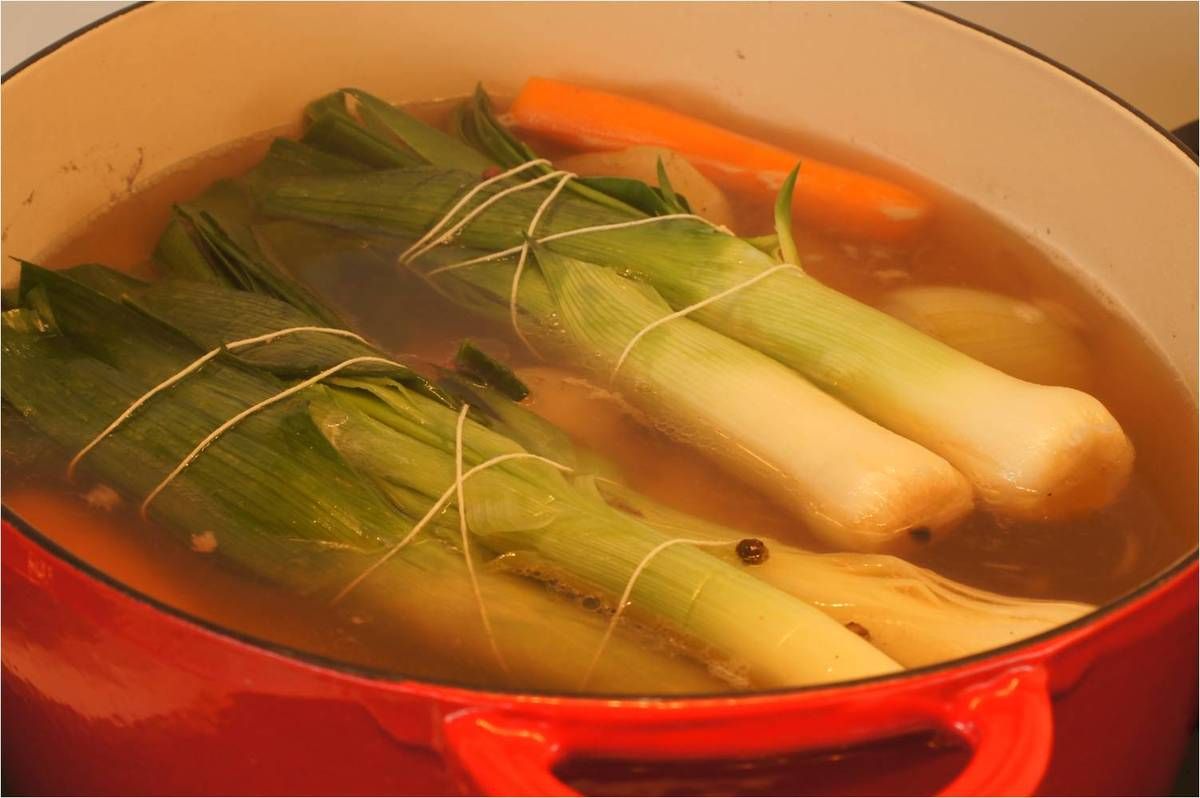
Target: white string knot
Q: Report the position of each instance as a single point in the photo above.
(434, 237)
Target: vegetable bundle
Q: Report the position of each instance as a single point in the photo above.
(1028, 451)
(316, 492)
(234, 404)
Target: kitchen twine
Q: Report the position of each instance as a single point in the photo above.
(690, 308)
(516, 281)
(437, 506)
(249, 411)
(462, 528)
(456, 489)
(430, 240)
(190, 368)
(624, 601)
(425, 244)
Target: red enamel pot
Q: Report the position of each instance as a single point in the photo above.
(106, 690)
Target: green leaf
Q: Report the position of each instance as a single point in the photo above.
(633, 193)
(457, 126)
(180, 254)
(783, 219)
(28, 456)
(429, 143)
(768, 244)
(357, 279)
(477, 364)
(342, 135)
(109, 282)
(289, 158)
(676, 202)
(493, 139)
(371, 203)
(248, 269)
(485, 132)
(271, 478)
(530, 430)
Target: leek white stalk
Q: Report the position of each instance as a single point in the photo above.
(854, 483)
(911, 613)
(1031, 451)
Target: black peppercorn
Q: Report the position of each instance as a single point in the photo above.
(752, 551)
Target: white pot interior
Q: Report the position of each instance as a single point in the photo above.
(1057, 160)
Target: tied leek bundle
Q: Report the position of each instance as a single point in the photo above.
(912, 614)
(334, 483)
(1029, 451)
(349, 489)
(854, 483)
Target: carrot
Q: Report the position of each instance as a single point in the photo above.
(826, 196)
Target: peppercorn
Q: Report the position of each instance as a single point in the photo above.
(752, 551)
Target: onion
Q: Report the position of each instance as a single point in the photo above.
(1017, 337)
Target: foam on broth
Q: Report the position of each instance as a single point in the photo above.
(1095, 559)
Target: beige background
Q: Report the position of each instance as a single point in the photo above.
(1145, 53)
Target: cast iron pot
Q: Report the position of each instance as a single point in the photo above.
(108, 691)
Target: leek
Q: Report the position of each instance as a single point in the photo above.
(1031, 451)
(280, 503)
(425, 595)
(522, 506)
(852, 482)
(910, 613)
(313, 490)
(855, 485)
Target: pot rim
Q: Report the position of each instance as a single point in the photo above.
(341, 669)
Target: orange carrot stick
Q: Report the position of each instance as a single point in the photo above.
(826, 196)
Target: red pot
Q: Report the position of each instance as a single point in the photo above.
(108, 691)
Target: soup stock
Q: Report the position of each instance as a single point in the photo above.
(1093, 559)
(1141, 371)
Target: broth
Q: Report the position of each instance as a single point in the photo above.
(1094, 559)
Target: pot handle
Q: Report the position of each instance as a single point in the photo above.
(1007, 722)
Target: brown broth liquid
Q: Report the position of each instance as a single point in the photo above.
(1095, 559)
